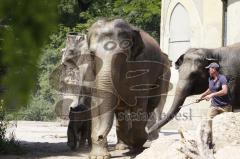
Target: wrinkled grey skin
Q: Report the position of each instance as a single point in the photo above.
(79, 131)
(72, 72)
(73, 105)
(143, 48)
(107, 73)
(193, 77)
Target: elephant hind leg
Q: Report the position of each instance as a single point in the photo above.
(134, 137)
(100, 128)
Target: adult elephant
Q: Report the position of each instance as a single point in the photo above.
(193, 77)
(76, 60)
(132, 81)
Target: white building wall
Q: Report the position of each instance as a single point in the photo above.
(199, 7)
(179, 32)
(212, 23)
(205, 21)
(206, 31)
(195, 23)
(233, 22)
(164, 7)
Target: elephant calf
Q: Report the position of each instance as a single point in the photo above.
(78, 130)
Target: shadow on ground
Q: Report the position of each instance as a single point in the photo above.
(61, 150)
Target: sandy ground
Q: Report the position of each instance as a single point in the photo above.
(48, 140)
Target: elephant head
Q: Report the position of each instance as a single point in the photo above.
(75, 46)
(193, 79)
(69, 74)
(107, 38)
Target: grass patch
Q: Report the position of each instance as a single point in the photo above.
(7, 146)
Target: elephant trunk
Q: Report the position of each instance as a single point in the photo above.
(180, 96)
(103, 120)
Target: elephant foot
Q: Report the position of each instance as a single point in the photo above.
(99, 152)
(121, 146)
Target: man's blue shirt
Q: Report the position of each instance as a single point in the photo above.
(216, 86)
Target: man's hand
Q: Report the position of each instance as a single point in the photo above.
(204, 95)
(208, 97)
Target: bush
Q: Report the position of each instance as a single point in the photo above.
(3, 122)
(7, 146)
(38, 110)
(38, 113)
(10, 147)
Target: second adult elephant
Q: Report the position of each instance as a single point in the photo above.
(133, 75)
(193, 77)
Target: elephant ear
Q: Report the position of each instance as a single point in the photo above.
(179, 61)
(138, 45)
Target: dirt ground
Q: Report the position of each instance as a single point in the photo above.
(48, 140)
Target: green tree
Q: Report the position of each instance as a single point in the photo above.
(144, 14)
(25, 25)
(77, 16)
(80, 14)
(41, 104)
(27, 59)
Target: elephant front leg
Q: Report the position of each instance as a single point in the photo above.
(99, 136)
(101, 126)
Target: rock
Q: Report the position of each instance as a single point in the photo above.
(226, 130)
(229, 152)
(164, 147)
(225, 139)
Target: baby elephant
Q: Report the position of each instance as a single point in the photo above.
(78, 130)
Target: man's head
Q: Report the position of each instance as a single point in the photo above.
(213, 68)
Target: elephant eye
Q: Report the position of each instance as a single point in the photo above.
(110, 45)
(125, 44)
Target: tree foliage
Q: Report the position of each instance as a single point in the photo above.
(24, 25)
(31, 42)
(142, 13)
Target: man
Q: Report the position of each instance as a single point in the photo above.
(217, 91)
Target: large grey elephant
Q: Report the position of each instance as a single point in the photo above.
(193, 77)
(71, 73)
(133, 80)
(127, 75)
